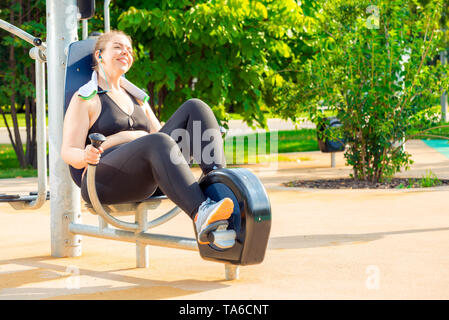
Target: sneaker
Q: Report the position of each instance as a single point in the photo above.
(210, 215)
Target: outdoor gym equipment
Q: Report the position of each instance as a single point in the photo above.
(34, 200)
(66, 58)
(249, 226)
(330, 145)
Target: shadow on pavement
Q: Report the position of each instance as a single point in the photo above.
(63, 282)
(326, 240)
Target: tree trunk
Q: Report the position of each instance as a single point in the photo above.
(18, 141)
(161, 98)
(23, 12)
(150, 87)
(31, 155)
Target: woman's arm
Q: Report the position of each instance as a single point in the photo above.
(122, 137)
(76, 126)
(155, 125)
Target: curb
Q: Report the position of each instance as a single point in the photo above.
(365, 190)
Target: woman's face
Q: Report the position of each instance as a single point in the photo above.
(117, 56)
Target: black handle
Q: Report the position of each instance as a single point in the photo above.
(96, 139)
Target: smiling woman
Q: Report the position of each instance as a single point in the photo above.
(139, 155)
(121, 42)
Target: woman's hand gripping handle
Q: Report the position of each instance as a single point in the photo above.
(92, 155)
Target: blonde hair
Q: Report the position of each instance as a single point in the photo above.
(101, 45)
(104, 39)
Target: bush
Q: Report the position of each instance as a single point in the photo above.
(374, 68)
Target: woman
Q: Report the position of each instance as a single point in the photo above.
(139, 154)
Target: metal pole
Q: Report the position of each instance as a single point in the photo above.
(65, 196)
(232, 272)
(41, 133)
(160, 240)
(96, 204)
(444, 114)
(142, 249)
(23, 35)
(85, 29)
(36, 54)
(107, 23)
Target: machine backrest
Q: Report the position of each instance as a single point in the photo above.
(79, 67)
(78, 73)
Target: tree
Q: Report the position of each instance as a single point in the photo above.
(17, 74)
(223, 52)
(373, 69)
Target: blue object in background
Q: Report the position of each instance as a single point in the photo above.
(442, 146)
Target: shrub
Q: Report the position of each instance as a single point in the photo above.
(374, 68)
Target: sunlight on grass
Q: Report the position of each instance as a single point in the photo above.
(20, 119)
(9, 165)
(269, 147)
(248, 149)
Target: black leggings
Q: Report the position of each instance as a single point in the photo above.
(132, 171)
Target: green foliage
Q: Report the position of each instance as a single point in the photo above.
(17, 80)
(17, 74)
(374, 67)
(429, 180)
(223, 52)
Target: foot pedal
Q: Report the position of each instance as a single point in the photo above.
(204, 236)
(222, 238)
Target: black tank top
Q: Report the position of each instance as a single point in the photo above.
(113, 119)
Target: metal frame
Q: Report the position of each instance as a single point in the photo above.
(136, 232)
(107, 23)
(24, 35)
(65, 201)
(38, 53)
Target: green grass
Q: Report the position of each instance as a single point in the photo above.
(237, 150)
(9, 165)
(268, 115)
(250, 149)
(20, 120)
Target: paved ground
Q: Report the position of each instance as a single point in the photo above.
(324, 244)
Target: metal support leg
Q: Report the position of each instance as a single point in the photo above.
(65, 195)
(333, 160)
(85, 29)
(101, 223)
(232, 272)
(142, 249)
(444, 111)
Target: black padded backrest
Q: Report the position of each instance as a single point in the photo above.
(79, 67)
(78, 73)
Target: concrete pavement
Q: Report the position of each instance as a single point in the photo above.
(324, 244)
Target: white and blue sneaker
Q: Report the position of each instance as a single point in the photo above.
(210, 216)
